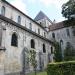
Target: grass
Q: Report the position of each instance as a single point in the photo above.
(38, 73)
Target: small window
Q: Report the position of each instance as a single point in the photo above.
(19, 19)
(51, 50)
(30, 26)
(44, 34)
(38, 31)
(14, 40)
(3, 10)
(68, 33)
(32, 43)
(53, 35)
(44, 49)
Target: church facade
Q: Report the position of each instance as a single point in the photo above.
(18, 34)
(64, 33)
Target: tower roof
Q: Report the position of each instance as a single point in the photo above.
(40, 16)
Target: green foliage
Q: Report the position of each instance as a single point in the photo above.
(57, 52)
(33, 59)
(39, 73)
(61, 68)
(68, 23)
(69, 53)
(68, 9)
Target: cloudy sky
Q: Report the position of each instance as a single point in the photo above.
(52, 8)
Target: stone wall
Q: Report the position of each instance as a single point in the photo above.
(13, 55)
(2, 59)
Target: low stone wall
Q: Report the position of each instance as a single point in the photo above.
(17, 73)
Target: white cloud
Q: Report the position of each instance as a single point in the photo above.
(20, 4)
(57, 3)
(32, 1)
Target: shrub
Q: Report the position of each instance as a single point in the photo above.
(69, 53)
(61, 68)
(57, 52)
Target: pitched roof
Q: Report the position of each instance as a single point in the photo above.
(60, 25)
(56, 26)
(40, 16)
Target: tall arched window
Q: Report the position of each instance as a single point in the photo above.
(3, 10)
(68, 32)
(51, 50)
(61, 42)
(19, 19)
(44, 49)
(53, 35)
(14, 40)
(32, 43)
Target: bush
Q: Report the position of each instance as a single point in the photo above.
(69, 53)
(57, 52)
(61, 68)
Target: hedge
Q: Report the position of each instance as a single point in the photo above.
(61, 68)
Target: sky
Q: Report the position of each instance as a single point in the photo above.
(52, 8)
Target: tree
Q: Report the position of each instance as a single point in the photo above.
(69, 53)
(33, 59)
(57, 52)
(68, 9)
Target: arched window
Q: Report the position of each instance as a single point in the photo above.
(14, 40)
(51, 50)
(53, 35)
(61, 42)
(3, 10)
(19, 19)
(68, 32)
(44, 49)
(32, 43)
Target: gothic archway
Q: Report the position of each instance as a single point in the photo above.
(41, 61)
(25, 60)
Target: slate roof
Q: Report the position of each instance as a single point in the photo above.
(40, 16)
(60, 25)
(56, 26)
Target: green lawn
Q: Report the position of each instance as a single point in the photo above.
(38, 73)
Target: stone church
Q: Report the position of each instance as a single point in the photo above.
(18, 34)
